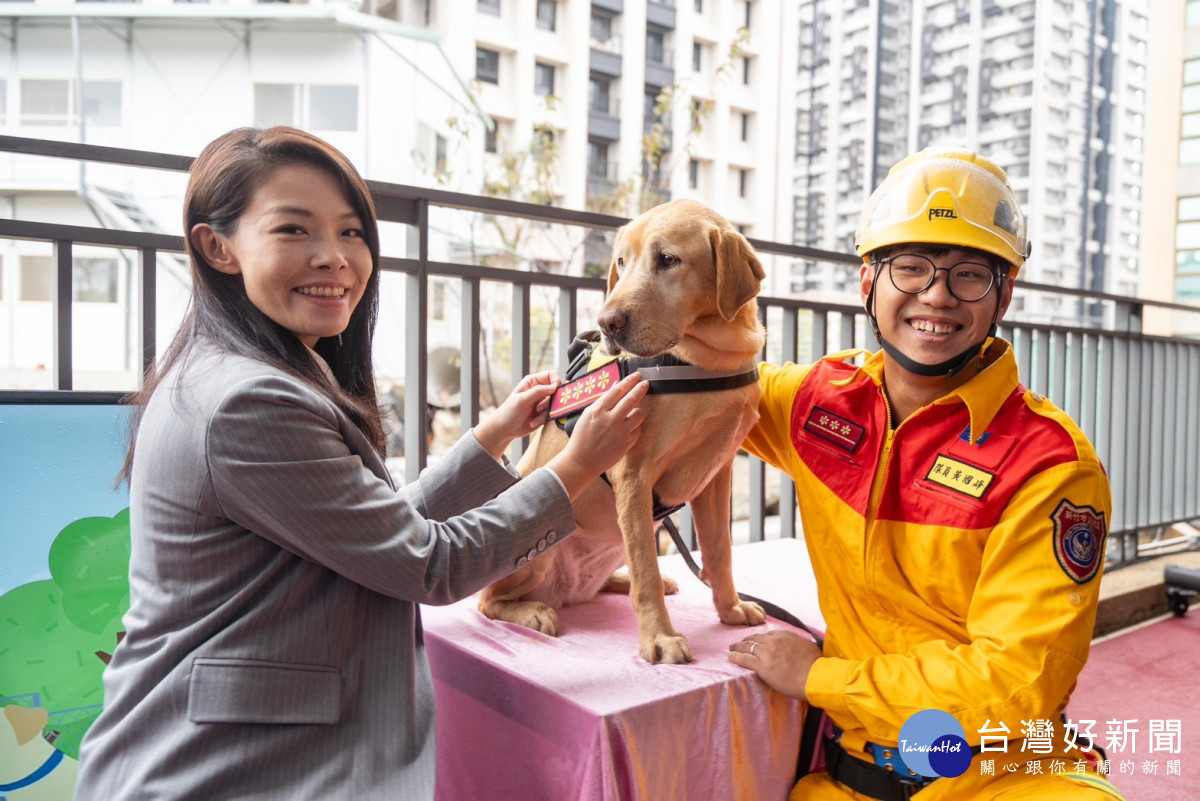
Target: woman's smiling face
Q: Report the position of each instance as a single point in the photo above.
(300, 249)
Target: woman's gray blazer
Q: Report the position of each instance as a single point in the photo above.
(273, 646)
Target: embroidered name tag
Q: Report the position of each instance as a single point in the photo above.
(959, 476)
(576, 395)
(1078, 540)
(828, 426)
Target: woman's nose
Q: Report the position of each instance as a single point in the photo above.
(330, 255)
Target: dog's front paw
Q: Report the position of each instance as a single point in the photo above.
(667, 649)
(536, 616)
(670, 585)
(743, 613)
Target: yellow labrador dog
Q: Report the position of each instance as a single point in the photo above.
(683, 282)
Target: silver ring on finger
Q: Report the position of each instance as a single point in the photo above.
(753, 645)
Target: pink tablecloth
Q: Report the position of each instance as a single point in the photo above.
(581, 717)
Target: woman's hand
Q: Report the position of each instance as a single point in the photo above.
(781, 658)
(521, 413)
(605, 432)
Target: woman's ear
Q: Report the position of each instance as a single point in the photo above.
(215, 249)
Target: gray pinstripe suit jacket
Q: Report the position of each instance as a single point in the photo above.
(273, 646)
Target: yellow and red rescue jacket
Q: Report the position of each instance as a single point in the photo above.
(957, 556)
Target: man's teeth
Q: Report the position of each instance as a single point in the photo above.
(323, 291)
(932, 328)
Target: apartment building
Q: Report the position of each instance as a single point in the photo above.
(703, 80)
(1171, 234)
(170, 77)
(1054, 92)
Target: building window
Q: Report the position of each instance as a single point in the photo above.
(745, 127)
(656, 47)
(749, 12)
(599, 95)
(1189, 133)
(333, 108)
(3, 102)
(489, 141)
(489, 7)
(693, 174)
(743, 182)
(597, 159)
(94, 280)
(601, 28)
(547, 13)
(697, 53)
(699, 6)
(543, 79)
(487, 65)
(276, 104)
(746, 70)
(1193, 13)
(102, 103)
(45, 102)
(317, 108)
(36, 278)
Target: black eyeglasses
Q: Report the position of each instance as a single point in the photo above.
(969, 281)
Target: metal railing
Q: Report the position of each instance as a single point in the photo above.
(1136, 396)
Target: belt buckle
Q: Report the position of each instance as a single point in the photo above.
(889, 759)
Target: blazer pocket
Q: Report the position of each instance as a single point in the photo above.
(258, 691)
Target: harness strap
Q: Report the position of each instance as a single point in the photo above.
(868, 779)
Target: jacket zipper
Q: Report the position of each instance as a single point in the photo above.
(877, 488)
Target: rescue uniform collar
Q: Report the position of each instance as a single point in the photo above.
(983, 395)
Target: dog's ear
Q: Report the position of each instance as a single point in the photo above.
(612, 268)
(739, 272)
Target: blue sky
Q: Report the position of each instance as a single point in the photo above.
(57, 465)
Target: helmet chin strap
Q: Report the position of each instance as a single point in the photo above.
(944, 369)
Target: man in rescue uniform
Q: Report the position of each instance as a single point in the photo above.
(955, 520)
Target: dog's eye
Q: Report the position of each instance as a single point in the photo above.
(620, 265)
(668, 260)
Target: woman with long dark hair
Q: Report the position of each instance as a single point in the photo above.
(273, 643)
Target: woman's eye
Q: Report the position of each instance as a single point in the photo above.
(356, 233)
(290, 229)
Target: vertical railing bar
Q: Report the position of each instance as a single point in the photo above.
(788, 352)
(1192, 433)
(1120, 401)
(1089, 386)
(1041, 365)
(469, 369)
(756, 469)
(1174, 413)
(147, 310)
(64, 368)
(1142, 446)
(416, 337)
(1058, 368)
(1156, 412)
(521, 294)
(568, 310)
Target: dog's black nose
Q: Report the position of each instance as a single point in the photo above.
(612, 322)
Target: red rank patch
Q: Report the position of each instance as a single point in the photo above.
(838, 430)
(574, 396)
(1078, 540)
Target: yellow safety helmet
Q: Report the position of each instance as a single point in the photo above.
(945, 196)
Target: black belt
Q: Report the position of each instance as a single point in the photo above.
(870, 779)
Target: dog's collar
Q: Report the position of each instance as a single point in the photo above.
(666, 374)
(47, 767)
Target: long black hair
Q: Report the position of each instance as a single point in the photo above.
(223, 181)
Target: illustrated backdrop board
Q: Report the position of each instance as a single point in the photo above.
(581, 717)
(64, 563)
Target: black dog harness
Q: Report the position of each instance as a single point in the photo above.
(666, 374)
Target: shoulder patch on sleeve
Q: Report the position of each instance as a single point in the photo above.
(1079, 534)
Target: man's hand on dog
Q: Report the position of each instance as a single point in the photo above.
(605, 432)
(780, 658)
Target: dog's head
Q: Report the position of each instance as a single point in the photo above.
(675, 265)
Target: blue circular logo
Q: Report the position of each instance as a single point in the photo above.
(933, 743)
